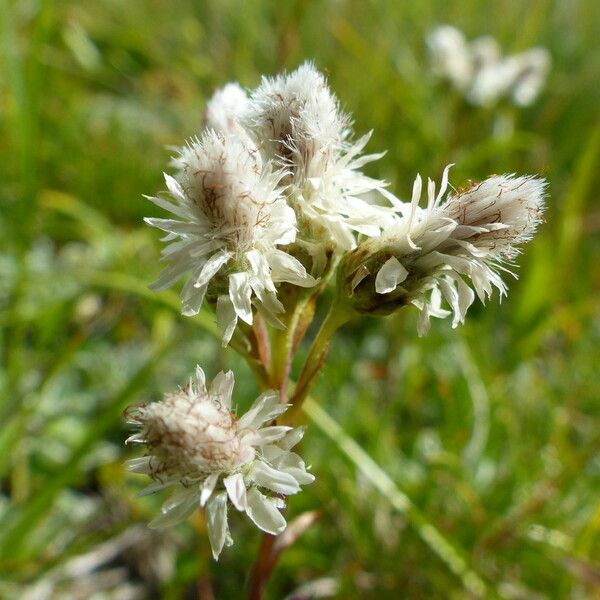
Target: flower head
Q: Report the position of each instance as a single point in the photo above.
(195, 442)
(449, 55)
(428, 253)
(534, 66)
(231, 219)
(480, 72)
(297, 122)
(225, 109)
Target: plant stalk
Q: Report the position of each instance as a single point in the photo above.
(338, 315)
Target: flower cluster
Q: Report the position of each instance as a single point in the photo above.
(269, 196)
(196, 443)
(428, 252)
(264, 196)
(479, 71)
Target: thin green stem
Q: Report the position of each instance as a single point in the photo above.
(278, 360)
(289, 342)
(338, 314)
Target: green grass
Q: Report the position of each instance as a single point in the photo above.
(461, 462)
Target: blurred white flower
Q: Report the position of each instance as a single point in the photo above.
(196, 443)
(450, 56)
(232, 218)
(296, 121)
(479, 71)
(225, 109)
(427, 255)
(534, 67)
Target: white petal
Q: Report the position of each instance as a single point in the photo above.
(173, 226)
(287, 268)
(216, 523)
(234, 484)
(222, 386)
(190, 248)
(180, 211)
(261, 269)
(207, 487)
(265, 408)
(291, 463)
(175, 509)
(266, 435)
(174, 187)
(171, 274)
(277, 502)
(443, 184)
(423, 322)
(282, 224)
(466, 296)
(264, 513)
(291, 438)
(192, 297)
(136, 438)
(277, 481)
(211, 268)
(271, 452)
(201, 379)
(240, 294)
(451, 296)
(269, 316)
(390, 275)
(226, 318)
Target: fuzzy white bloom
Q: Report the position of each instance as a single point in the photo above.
(231, 220)
(225, 109)
(427, 255)
(221, 114)
(196, 443)
(297, 121)
(479, 71)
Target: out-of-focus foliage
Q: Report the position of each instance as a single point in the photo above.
(492, 430)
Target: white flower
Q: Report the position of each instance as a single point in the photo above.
(479, 71)
(534, 66)
(296, 120)
(225, 108)
(450, 56)
(196, 443)
(428, 253)
(231, 220)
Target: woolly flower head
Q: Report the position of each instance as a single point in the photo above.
(196, 443)
(225, 108)
(231, 220)
(296, 121)
(428, 253)
(478, 70)
(295, 118)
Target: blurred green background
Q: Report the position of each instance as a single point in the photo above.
(489, 433)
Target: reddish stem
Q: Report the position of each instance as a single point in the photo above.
(259, 575)
(261, 338)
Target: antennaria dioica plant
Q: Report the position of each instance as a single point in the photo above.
(269, 210)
